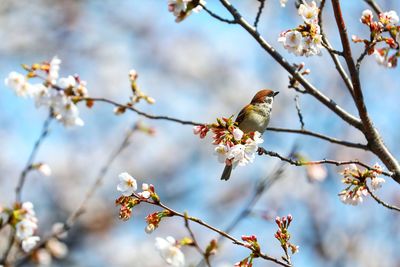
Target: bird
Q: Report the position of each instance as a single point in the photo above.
(254, 117)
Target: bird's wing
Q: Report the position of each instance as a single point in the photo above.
(241, 114)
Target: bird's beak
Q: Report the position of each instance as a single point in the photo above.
(275, 93)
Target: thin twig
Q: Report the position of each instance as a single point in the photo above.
(100, 177)
(28, 166)
(296, 100)
(323, 161)
(195, 243)
(364, 53)
(320, 136)
(374, 6)
(222, 233)
(259, 12)
(154, 117)
(304, 132)
(333, 53)
(212, 14)
(380, 201)
(81, 208)
(261, 187)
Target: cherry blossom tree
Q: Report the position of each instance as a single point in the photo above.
(65, 98)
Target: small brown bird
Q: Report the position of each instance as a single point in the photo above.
(254, 117)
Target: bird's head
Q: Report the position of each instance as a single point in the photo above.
(264, 96)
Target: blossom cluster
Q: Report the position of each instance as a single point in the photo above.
(233, 147)
(251, 243)
(183, 8)
(385, 30)
(169, 248)
(23, 218)
(356, 181)
(52, 92)
(127, 186)
(306, 39)
(283, 236)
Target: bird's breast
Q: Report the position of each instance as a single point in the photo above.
(257, 119)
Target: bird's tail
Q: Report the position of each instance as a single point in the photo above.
(227, 173)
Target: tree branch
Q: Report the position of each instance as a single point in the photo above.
(372, 135)
(347, 117)
(295, 162)
(195, 243)
(154, 117)
(184, 122)
(259, 12)
(220, 232)
(212, 14)
(380, 201)
(31, 159)
(374, 6)
(321, 136)
(301, 119)
(332, 53)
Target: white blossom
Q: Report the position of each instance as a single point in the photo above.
(41, 95)
(237, 134)
(180, 8)
(309, 12)
(367, 13)
(377, 182)
(149, 228)
(127, 184)
(221, 151)
(18, 82)
(146, 192)
(29, 209)
(292, 41)
(81, 89)
(177, 6)
(25, 229)
(353, 197)
(53, 70)
(170, 252)
(366, 16)
(390, 17)
(242, 154)
(69, 115)
(29, 243)
(68, 82)
(44, 169)
(257, 138)
(58, 100)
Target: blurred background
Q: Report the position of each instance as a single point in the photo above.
(196, 70)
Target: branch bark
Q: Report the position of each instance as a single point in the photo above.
(328, 102)
(375, 141)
